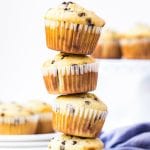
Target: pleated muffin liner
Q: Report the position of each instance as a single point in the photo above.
(70, 37)
(78, 121)
(19, 124)
(45, 123)
(71, 79)
(138, 48)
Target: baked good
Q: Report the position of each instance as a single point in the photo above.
(44, 111)
(64, 142)
(108, 45)
(70, 73)
(72, 29)
(80, 115)
(15, 119)
(135, 43)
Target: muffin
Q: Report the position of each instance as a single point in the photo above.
(136, 43)
(80, 115)
(71, 28)
(70, 73)
(108, 45)
(64, 142)
(15, 119)
(44, 111)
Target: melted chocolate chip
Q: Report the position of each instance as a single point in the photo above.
(81, 14)
(87, 102)
(2, 114)
(53, 61)
(77, 28)
(63, 142)
(74, 142)
(74, 65)
(64, 55)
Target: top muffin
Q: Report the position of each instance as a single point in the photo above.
(73, 13)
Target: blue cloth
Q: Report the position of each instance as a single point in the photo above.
(135, 137)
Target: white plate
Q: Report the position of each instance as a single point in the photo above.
(23, 144)
(26, 138)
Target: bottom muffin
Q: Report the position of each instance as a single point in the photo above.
(64, 142)
(14, 119)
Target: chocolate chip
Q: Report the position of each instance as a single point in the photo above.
(66, 8)
(95, 98)
(87, 102)
(63, 142)
(53, 61)
(2, 114)
(81, 14)
(71, 109)
(62, 147)
(64, 55)
(74, 142)
(100, 117)
(89, 22)
(64, 3)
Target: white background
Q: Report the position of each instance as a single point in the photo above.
(23, 50)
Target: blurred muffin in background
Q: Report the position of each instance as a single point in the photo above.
(15, 119)
(135, 43)
(108, 45)
(44, 111)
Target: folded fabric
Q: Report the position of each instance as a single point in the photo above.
(135, 137)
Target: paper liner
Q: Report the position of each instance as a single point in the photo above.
(70, 37)
(45, 123)
(136, 48)
(18, 125)
(71, 79)
(82, 122)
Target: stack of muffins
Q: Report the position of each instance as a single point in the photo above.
(79, 115)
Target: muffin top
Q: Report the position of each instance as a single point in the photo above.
(13, 110)
(73, 13)
(109, 34)
(138, 31)
(64, 142)
(38, 106)
(86, 100)
(63, 59)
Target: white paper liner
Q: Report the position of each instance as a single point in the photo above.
(19, 120)
(84, 122)
(70, 70)
(66, 25)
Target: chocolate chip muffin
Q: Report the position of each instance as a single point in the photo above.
(64, 142)
(80, 115)
(15, 119)
(71, 28)
(68, 73)
(135, 43)
(44, 111)
(108, 45)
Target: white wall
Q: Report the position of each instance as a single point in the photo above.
(22, 39)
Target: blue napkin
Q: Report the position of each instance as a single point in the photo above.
(135, 137)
